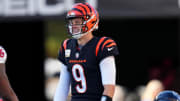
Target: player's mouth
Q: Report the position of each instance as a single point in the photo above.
(76, 29)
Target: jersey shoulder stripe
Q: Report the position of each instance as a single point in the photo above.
(107, 42)
(65, 44)
(104, 42)
(98, 44)
(112, 44)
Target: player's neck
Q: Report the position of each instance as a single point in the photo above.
(82, 41)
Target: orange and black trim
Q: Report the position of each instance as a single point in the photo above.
(65, 44)
(88, 7)
(104, 42)
(112, 44)
(107, 42)
(83, 8)
(98, 45)
(79, 10)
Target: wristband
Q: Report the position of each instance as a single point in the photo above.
(106, 98)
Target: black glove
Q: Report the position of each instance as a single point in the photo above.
(106, 98)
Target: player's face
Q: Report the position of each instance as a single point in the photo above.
(76, 25)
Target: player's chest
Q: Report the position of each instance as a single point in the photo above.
(85, 56)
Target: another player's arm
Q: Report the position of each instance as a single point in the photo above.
(108, 74)
(6, 92)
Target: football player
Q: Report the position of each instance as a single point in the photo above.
(168, 95)
(88, 62)
(6, 92)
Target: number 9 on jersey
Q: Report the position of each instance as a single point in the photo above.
(78, 69)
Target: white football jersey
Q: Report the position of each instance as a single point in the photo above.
(3, 55)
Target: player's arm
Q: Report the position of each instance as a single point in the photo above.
(6, 92)
(62, 89)
(108, 74)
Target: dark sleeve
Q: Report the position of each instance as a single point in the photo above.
(61, 54)
(108, 48)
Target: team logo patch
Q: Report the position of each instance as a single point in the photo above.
(77, 55)
(67, 53)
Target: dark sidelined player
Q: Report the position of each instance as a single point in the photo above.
(88, 62)
(6, 92)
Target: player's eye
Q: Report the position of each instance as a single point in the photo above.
(76, 21)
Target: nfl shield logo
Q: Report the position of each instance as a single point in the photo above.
(77, 55)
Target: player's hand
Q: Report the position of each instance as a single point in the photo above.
(3, 55)
(106, 98)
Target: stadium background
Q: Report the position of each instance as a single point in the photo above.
(146, 33)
